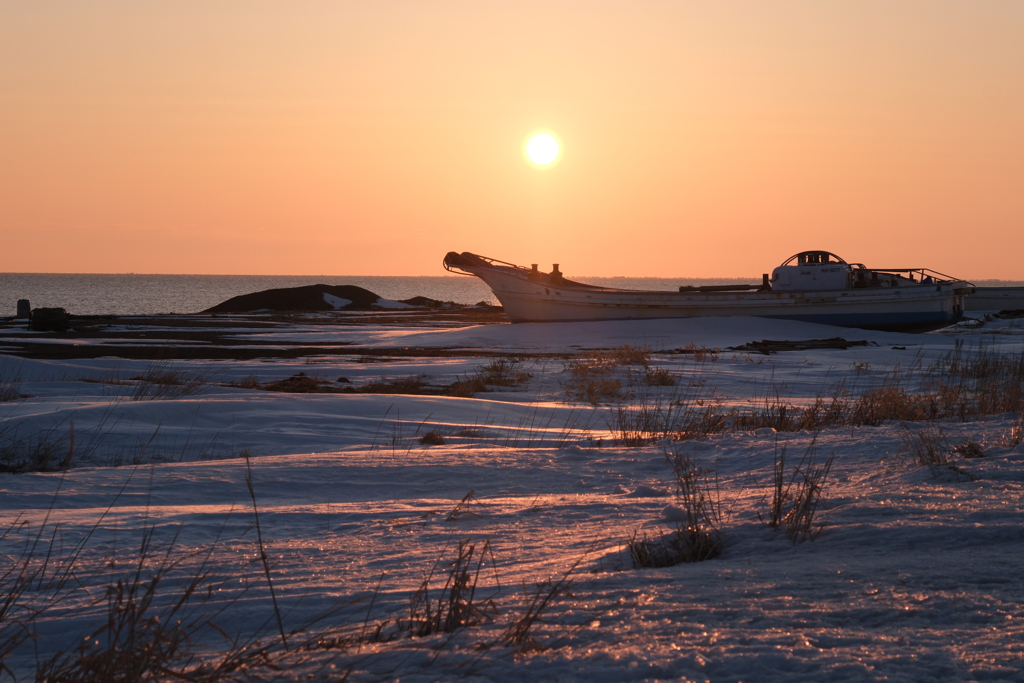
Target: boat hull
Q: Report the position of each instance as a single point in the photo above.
(996, 299)
(914, 309)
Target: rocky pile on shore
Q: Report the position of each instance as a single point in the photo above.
(317, 298)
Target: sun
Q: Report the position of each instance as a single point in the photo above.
(542, 149)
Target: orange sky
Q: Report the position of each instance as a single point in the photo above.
(700, 139)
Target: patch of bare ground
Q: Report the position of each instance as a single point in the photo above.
(504, 372)
(299, 383)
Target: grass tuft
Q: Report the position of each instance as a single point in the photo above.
(161, 381)
(701, 353)
(410, 384)
(696, 537)
(251, 381)
(300, 383)
(1015, 436)
(140, 640)
(10, 386)
(659, 377)
(500, 372)
(970, 449)
(685, 413)
(592, 377)
(797, 499)
(925, 445)
(456, 605)
(432, 438)
(521, 632)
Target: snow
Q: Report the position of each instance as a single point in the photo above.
(915, 576)
(336, 301)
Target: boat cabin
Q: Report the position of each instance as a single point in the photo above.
(811, 271)
(814, 271)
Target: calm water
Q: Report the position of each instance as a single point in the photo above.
(91, 294)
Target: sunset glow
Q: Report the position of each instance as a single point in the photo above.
(372, 138)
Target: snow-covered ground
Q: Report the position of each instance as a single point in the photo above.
(915, 575)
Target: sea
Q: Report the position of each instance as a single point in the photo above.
(138, 294)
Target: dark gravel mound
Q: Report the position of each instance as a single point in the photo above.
(423, 301)
(311, 298)
(308, 298)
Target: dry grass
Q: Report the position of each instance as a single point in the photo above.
(251, 381)
(771, 411)
(409, 384)
(631, 355)
(10, 386)
(696, 537)
(970, 449)
(653, 553)
(156, 613)
(829, 410)
(456, 605)
(300, 383)
(702, 353)
(1015, 435)
(959, 386)
(161, 380)
(48, 450)
(927, 446)
(164, 618)
(659, 377)
(142, 639)
(537, 427)
(698, 496)
(592, 381)
(796, 500)
(648, 418)
(601, 377)
(61, 446)
(500, 372)
(687, 412)
(264, 560)
(54, 448)
(432, 438)
(521, 632)
(303, 383)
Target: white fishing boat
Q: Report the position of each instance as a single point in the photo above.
(813, 286)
